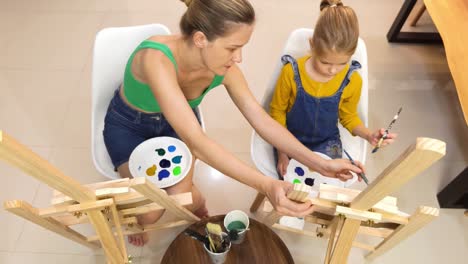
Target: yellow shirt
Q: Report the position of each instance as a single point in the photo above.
(286, 89)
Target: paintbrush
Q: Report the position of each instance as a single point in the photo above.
(384, 136)
(197, 236)
(363, 176)
(215, 234)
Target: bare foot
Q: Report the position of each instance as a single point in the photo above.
(138, 240)
(202, 212)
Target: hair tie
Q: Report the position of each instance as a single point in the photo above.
(334, 5)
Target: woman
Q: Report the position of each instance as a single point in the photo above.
(167, 77)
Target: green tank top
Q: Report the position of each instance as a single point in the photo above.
(140, 95)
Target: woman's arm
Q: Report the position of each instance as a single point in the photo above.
(277, 135)
(160, 74)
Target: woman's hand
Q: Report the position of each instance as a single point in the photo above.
(283, 162)
(341, 169)
(374, 138)
(276, 191)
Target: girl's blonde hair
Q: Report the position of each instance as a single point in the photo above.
(215, 17)
(337, 29)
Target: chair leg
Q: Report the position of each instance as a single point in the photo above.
(418, 15)
(256, 203)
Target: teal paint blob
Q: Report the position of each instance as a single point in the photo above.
(176, 171)
(164, 163)
(177, 159)
(171, 148)
(236, 225)
(160, 151)
(163, 174)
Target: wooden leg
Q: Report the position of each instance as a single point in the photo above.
(257, 202)
(143, 186)
(345, 241)
(335, 225)
(420, 218)
(26, 211)
(418, 15)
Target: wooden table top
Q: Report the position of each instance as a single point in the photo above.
(451, 20)
(261, 245)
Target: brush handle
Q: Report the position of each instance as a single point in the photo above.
(197, 236)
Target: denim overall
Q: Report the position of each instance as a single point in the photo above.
(313, 121)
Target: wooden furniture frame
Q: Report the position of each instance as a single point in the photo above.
(110, 207)
(343, 213)
(396, 35)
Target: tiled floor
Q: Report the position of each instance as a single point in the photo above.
(45, 73)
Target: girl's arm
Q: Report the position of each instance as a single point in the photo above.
(160, 74)
(277, 135)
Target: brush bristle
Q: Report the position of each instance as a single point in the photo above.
(214, 228)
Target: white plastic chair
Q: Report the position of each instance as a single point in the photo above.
(112, 48)
(297, 46)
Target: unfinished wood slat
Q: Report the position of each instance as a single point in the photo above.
(26, 211)
(364, 230)
(151, 227)
(347, 195)
(108, 242)
(419, 219)
(314, 234)
(300, 193)
(60, 198)
(345, 240)
(183, 199)
(90, 206)
(413, 161)
(358, 214)
(335, 225)
(118, 228)
(143, 186)
(23, 158)
(328, 208)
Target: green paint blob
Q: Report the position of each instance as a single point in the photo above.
(160, 152)
(236, 225)
(176, 171)
(296, 181)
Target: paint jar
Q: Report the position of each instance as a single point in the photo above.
(239, 221)
(218, 258)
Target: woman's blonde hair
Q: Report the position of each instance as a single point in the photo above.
(215, 17)
(337, 29)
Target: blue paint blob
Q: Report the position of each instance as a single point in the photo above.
(163, 174)
(139, 167)
(309, 181)
(171, 148)
(177, 159)
(299, 171)
(164, 163)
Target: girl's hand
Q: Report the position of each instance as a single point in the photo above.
(283, 162)
(374, 138)
(341, 169)
(276, 191)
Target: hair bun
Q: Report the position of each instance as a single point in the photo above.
(330, 3)
(187, 2)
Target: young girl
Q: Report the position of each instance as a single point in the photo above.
(167, 77)
(314, 91)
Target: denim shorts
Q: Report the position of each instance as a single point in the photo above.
(125, 128)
